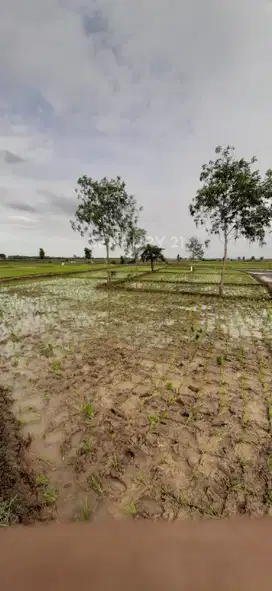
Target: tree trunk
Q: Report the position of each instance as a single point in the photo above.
(224, 262)
(152, 264)
(108, 262)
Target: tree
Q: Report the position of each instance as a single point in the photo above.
(233, 200)
(122, 260)
(152, 253)
(2, 256)
(196, 248)
(178, 258)
(88, 253)
(135, 241)
(41, 254)
(105, 211)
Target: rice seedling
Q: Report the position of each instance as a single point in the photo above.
(116, 463)
(8, 511)
(243, 386)
(86, 513)
(42, 480)
(14, 337)
(87, 410)
(140, 477)
(55, 365)
(171, 399)
(153, 421)
(50, 496)
(95, 484)
(131, 509)
(86, 446)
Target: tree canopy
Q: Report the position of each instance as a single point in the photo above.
(41, 253)
(106, 212)
(233, 199)
(195, 247)
(87, 253)
(152, 253)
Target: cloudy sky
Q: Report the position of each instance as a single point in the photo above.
(141, 88)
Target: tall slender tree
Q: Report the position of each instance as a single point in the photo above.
(41, 254)
(135, 240)
(106, 212)
(233, 200)
(195, 247)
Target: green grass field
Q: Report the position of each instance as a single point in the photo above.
(9, 269)
(255, 264)
(21, 268)
(14, 269)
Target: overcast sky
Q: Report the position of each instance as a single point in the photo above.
(141, 88)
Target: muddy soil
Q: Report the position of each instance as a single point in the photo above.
(265, 278)
(19, 497)
(150, 406)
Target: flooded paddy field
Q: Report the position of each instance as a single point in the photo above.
(137, 404)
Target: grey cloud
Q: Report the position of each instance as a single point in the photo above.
(9, 200)
(146, 89)
(46, 202)
(94, 24)
(11, 158)
(17, 206)
(57, 202)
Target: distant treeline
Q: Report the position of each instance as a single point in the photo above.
(48, 259)
(19, 257)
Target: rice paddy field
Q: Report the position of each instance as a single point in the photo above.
(152, 399)
(10, 269)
